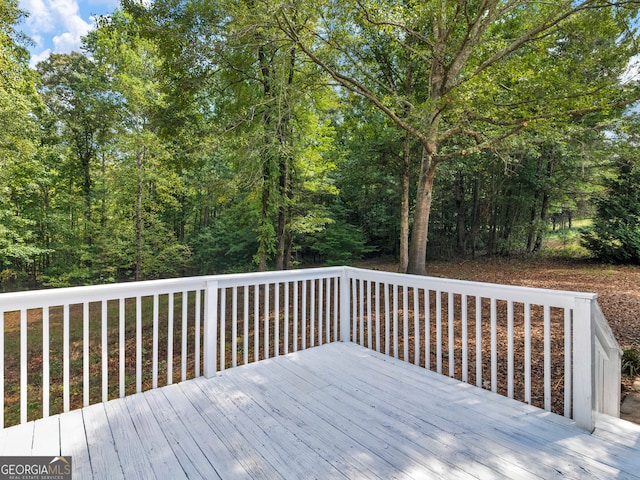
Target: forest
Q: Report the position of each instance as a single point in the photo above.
(205, 136)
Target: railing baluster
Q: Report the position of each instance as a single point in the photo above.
(439, 331)
(234, 326)
(287, 307)
(387, 320)
(361, 312)
(527, 353)
(510, 360)
(276, 319)
(416, 325)
(23, 365)
(405, 323)
(369, 332)
(66, 375)
(121, 346)
(494, 345)
(85, 353)
(450, 335)
(354, 311)
(376, 289)
(547, 357)
(295, 315)
(256, 323)
(464, 312)
(395, 321)
(105, 349)
(312, 333)
(245, 336)
(568, 377)
(2, 399)
(336, 298)
(320, 312)
(327, 335)
(304, 314)
(154, 360)
(479, 341)
(223, 329)
(170, 315)
(46, 370)
(138, 343)
(427, 329)
(185, 316)
(197, 333)
(265, 329)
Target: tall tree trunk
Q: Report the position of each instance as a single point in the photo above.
(475, 222)
(419, 235)
(544, 208)
(264, 218)
(460, 213)
(139, 225)
(404, 206)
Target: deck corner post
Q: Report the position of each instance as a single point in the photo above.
(210, 328)
(583, 364)
(345, 306)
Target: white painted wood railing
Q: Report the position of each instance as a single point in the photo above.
(66, 348)
(549, 348)
(71, 347)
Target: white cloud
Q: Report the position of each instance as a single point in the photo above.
(39, 57)
(55, 26)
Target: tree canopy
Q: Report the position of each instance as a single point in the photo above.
(199, 136)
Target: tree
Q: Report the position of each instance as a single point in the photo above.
(485, 70)
(20, 107)
(615, 233)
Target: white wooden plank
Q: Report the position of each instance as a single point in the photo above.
(233, 439)
(46, 437)
(226, 465)
(73, 442)
(133, 458)
(193, 461)
(102, 449)
(336, 447)
(19, 439)
(154, 443)
(436, 444)
(284, 451)
(365, 424)
(522, 427)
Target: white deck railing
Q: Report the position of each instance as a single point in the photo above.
(66, 348)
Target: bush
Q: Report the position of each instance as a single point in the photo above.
(615, 235)
(631, 362)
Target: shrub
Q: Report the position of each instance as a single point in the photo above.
(631, 362)
(615, 235)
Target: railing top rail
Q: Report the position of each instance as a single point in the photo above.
(59, 296)
(258, 278)
(532, 295)
(603, 330)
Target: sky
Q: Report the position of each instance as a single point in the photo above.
(57, 26)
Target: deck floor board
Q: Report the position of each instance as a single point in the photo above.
(337, 411)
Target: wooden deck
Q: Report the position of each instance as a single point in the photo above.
(336, 411)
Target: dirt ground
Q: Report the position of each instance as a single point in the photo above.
(617, 286)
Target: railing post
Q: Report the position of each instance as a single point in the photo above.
(210, 328)
(345, 306)
(583, 364)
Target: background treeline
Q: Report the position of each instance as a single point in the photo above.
(204, 136)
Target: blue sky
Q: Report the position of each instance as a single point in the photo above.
(56, 26)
